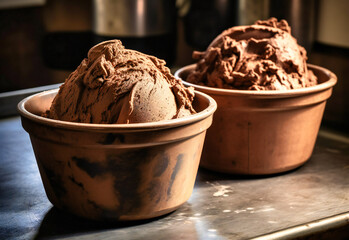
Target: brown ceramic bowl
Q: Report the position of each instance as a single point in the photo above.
(117, 171)
(263, 132)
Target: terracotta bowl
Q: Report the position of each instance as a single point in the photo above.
(117, 171)
(263, 132)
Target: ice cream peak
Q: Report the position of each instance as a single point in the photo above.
(262, 56)
(118, 85)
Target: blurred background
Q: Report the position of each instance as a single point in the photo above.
(43, 41)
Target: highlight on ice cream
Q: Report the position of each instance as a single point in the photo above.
(262, 56)
(118, 85)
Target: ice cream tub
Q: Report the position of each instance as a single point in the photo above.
(263, 132)
(117, 171)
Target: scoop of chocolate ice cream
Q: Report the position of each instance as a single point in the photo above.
(118, 85)
(262, 56)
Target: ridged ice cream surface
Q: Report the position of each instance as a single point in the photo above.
(118, 85)
(262, 56)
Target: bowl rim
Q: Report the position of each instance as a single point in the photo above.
(332, 80)
(205, 113)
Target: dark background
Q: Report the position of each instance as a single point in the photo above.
(41, 43)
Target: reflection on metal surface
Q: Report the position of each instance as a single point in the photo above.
(333, 136)
(4, 4)
(131, 18)
(308, 228)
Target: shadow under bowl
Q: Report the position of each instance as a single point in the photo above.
(263, 132)
(117, 171)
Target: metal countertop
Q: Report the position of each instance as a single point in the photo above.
(311, 202)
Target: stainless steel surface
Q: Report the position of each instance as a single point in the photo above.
(8, 4)
(9, 100)
(221, 206)
(251, 11)
(133, 18)
(314, 227)
(300, 16)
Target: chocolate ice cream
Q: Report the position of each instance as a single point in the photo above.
(118, 85)
(262, 56)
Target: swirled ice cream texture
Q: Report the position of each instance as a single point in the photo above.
(118, 85)
(262, 56)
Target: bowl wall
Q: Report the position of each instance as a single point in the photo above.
(117, 171)
(263, 132)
